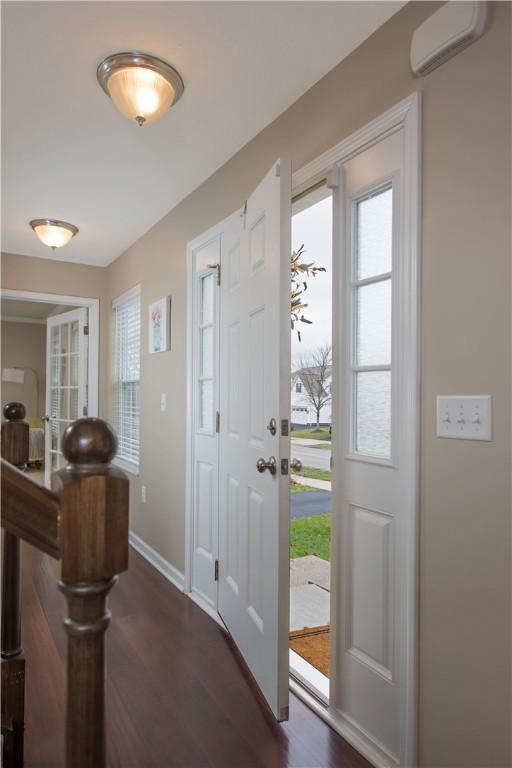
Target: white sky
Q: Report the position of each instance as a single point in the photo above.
(313, 227)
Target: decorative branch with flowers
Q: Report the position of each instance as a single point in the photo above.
(300, 269)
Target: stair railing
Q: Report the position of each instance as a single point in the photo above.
(82, 521)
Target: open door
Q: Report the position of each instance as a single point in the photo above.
(239, 410)
(66, 380)
(254, 508)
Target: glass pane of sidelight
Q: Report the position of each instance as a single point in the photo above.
(373, 331)
(373, 413)
(73, 404)
(73, 370)
(55, 340)
(54, 436)
(207, 352)
(207, 284)
(54, 402)
(74, 336)
(64, 401)
(64, 370)
(64, 338)
(206, 405)
(55, 369)
(374, 229)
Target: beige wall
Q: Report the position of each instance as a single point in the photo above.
(465, 488)
(24, 346)
(23, 273)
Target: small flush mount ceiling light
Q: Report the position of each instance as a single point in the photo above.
(53, 233)
(141, 86)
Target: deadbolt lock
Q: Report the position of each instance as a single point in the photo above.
(272, 426)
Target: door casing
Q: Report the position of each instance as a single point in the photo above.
(93, 306)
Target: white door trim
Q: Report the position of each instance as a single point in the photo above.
(406, 116)
(93, 305)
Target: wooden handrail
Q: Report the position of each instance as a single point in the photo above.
(30, 511)
(84, 521)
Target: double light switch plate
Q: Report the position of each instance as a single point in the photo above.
(464, 418)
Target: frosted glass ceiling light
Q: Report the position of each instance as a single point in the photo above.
(141, 86)
(53, 233)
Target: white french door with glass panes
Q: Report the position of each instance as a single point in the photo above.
(374, 412)
(66, 380)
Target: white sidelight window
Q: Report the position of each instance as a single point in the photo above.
(126, 378)
(371, 323)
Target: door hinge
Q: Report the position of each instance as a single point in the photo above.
(216, 570)
(217, 421)
(84, 411)
(86, 330)
(217, 268)
(244, 212)
(333, 177)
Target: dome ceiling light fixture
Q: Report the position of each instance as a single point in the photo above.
(53, 233)
(141, 86)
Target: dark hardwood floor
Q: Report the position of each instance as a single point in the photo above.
(176, 697)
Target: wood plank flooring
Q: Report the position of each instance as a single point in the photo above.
(176, 697)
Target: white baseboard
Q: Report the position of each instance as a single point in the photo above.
(157, 561)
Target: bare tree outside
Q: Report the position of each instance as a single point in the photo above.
(314, 371)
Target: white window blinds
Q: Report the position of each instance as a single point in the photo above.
(126, 398)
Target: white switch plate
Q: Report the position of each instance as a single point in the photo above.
(464, 418)
(163, 402)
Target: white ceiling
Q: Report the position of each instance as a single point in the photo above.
(68, 154)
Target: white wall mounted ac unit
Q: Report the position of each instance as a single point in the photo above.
(447, 32)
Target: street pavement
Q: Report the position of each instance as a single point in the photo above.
(311, 457)
(309, 503)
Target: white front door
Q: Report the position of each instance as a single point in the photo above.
(374, 447)
(66, 380)
(239, 418)
(254, 504)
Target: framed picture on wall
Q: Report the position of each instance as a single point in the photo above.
(160, 325)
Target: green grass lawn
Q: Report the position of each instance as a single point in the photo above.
(314, 473)
(311, 434)
(311, 536)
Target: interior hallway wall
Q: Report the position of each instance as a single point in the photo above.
(24, 346)
(25, 273)
(464, 687)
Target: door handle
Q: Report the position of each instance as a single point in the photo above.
(271, 465)
(296, 465)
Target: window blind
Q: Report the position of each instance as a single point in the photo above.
(126, 397)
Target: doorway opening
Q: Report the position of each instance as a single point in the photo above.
(310, 449)
(49, 363)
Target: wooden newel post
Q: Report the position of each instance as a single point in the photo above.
(14, 449)
(94, 548)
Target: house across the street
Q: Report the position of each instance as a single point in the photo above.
(311, 390)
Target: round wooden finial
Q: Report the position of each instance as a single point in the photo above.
(14, 411)
(89, 441)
